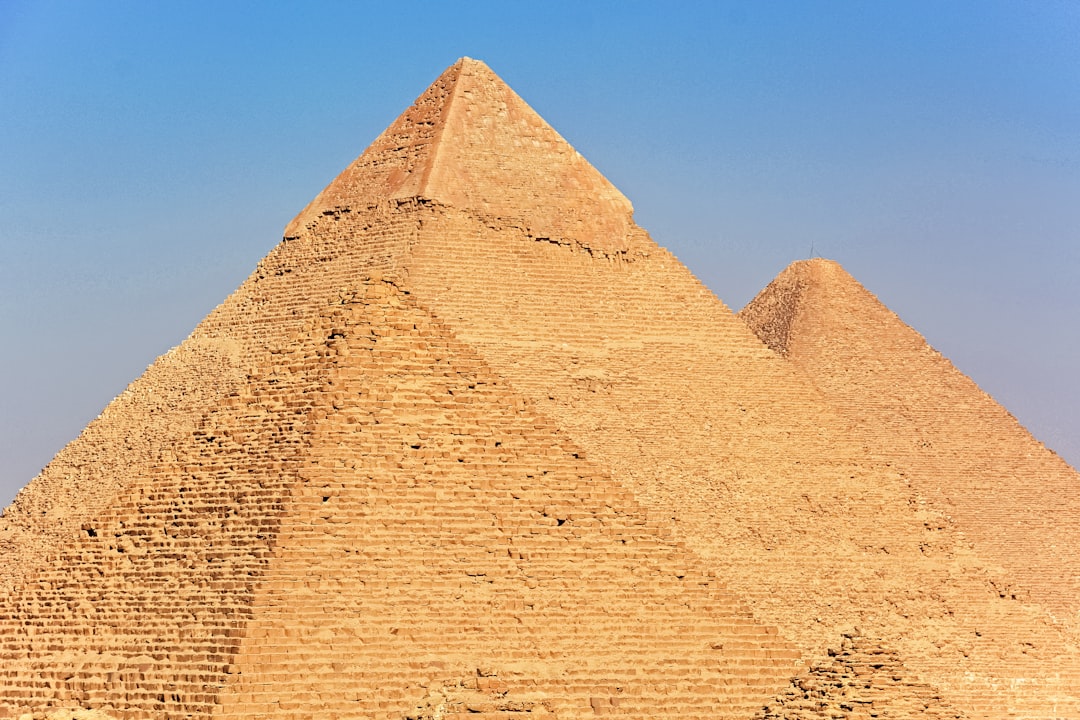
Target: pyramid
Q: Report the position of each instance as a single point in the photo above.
(324, 503)
(1015, 500)
(467, 441)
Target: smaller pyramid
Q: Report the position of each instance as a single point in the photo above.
(1012, 497)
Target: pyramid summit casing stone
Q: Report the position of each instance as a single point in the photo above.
(415, 466)
(471, 142)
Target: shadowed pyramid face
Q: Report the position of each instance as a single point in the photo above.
(413, 466)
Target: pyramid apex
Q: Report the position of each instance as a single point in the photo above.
(470, 63)
(469, 141)
(813, 272)
(811, 263)
(774, 311)
(798, 290)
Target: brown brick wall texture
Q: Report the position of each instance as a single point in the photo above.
(469, 443)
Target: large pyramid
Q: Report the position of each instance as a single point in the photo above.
(468, 441)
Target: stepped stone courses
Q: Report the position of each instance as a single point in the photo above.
(468, 442)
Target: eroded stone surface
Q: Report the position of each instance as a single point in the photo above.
(860, 679)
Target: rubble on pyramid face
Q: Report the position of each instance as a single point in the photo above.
(1009, 495)
(481, 695)
(860, 678)
(70, 714)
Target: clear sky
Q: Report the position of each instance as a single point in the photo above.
(152, 152)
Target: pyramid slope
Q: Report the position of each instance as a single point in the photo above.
(1017, 501)
(356, 489)
(480, 540)
(396, 165)
(658, 381)
(178, 510)
(125, 440)
(162, 407)
(142, 605)
(426, 523)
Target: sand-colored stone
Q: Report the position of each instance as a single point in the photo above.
(477, 445)
(859, 679)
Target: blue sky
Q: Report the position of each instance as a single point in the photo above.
(152, 152)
